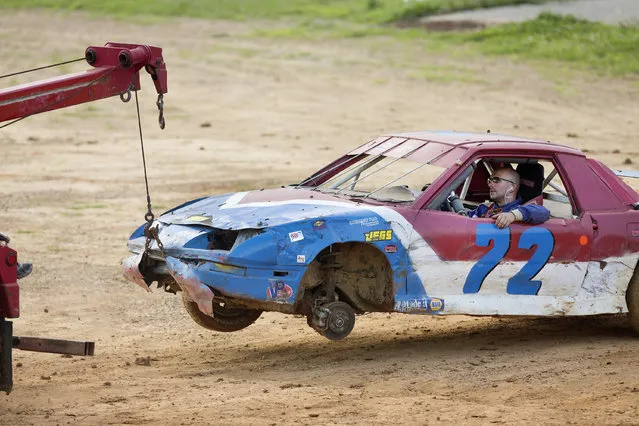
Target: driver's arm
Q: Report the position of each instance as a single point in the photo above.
(532, 213)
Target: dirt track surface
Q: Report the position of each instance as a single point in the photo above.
(250, 112)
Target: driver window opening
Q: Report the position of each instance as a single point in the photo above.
(540, 183)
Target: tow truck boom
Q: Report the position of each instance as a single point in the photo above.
(115, 71)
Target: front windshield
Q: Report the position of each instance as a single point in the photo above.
(382, 178)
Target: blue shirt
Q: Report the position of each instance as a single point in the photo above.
(532, 213)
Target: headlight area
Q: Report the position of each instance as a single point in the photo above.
(217, 250)
(254, 246)
(226, 269)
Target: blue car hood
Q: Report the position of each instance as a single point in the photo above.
(260, 209)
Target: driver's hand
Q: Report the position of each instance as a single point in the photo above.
(503, 220)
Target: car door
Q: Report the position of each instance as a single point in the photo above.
(476, 268)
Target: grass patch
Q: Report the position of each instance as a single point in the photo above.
(414, 9)
(609, 49)
(350, 10)
(562, 39)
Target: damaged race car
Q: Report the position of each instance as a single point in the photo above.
(380, 230)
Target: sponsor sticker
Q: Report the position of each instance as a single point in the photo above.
(367, 221)
(391, 248)
(436, 305)
(424, 305)
(319, 224)
(279, 291)
(379, 235)
(295, 236)
(301, 258)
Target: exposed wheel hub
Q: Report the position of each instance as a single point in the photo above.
(334, 320)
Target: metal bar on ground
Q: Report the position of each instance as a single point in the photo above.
(68, 347)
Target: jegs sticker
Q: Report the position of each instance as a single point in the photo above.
(379, 235)
(295, 236)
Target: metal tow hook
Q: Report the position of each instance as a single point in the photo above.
(160, 104)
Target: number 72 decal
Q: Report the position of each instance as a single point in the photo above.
(522, 282)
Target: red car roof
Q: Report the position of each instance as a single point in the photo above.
(471, 140)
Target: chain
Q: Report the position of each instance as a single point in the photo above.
(152, 234)
(150, 231)
(160, 104)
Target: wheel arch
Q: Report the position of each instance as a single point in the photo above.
(361, 273)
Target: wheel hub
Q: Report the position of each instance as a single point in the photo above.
(335, 320)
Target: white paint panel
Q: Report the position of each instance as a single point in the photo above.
(494, 304)
(448, 278)
(609, 278)
(601, 291)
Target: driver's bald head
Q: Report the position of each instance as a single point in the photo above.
(508, 173)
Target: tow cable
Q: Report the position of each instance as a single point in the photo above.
(150, 232)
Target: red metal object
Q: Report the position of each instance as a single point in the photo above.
(9, 291)
(116, 70)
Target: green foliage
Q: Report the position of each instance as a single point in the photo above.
(604, 48)
(418, 8)
(351, 10)
(610, 49)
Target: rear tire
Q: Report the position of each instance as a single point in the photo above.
(632, 300)
(225, 319)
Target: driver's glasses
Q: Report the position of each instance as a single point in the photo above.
(497, 179)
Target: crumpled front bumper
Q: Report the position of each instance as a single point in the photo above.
(131, 270)
(182, 273)
(247, 272)
(198, 279)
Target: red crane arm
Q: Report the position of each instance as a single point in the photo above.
(116, 70)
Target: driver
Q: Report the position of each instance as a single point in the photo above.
(506, 206)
